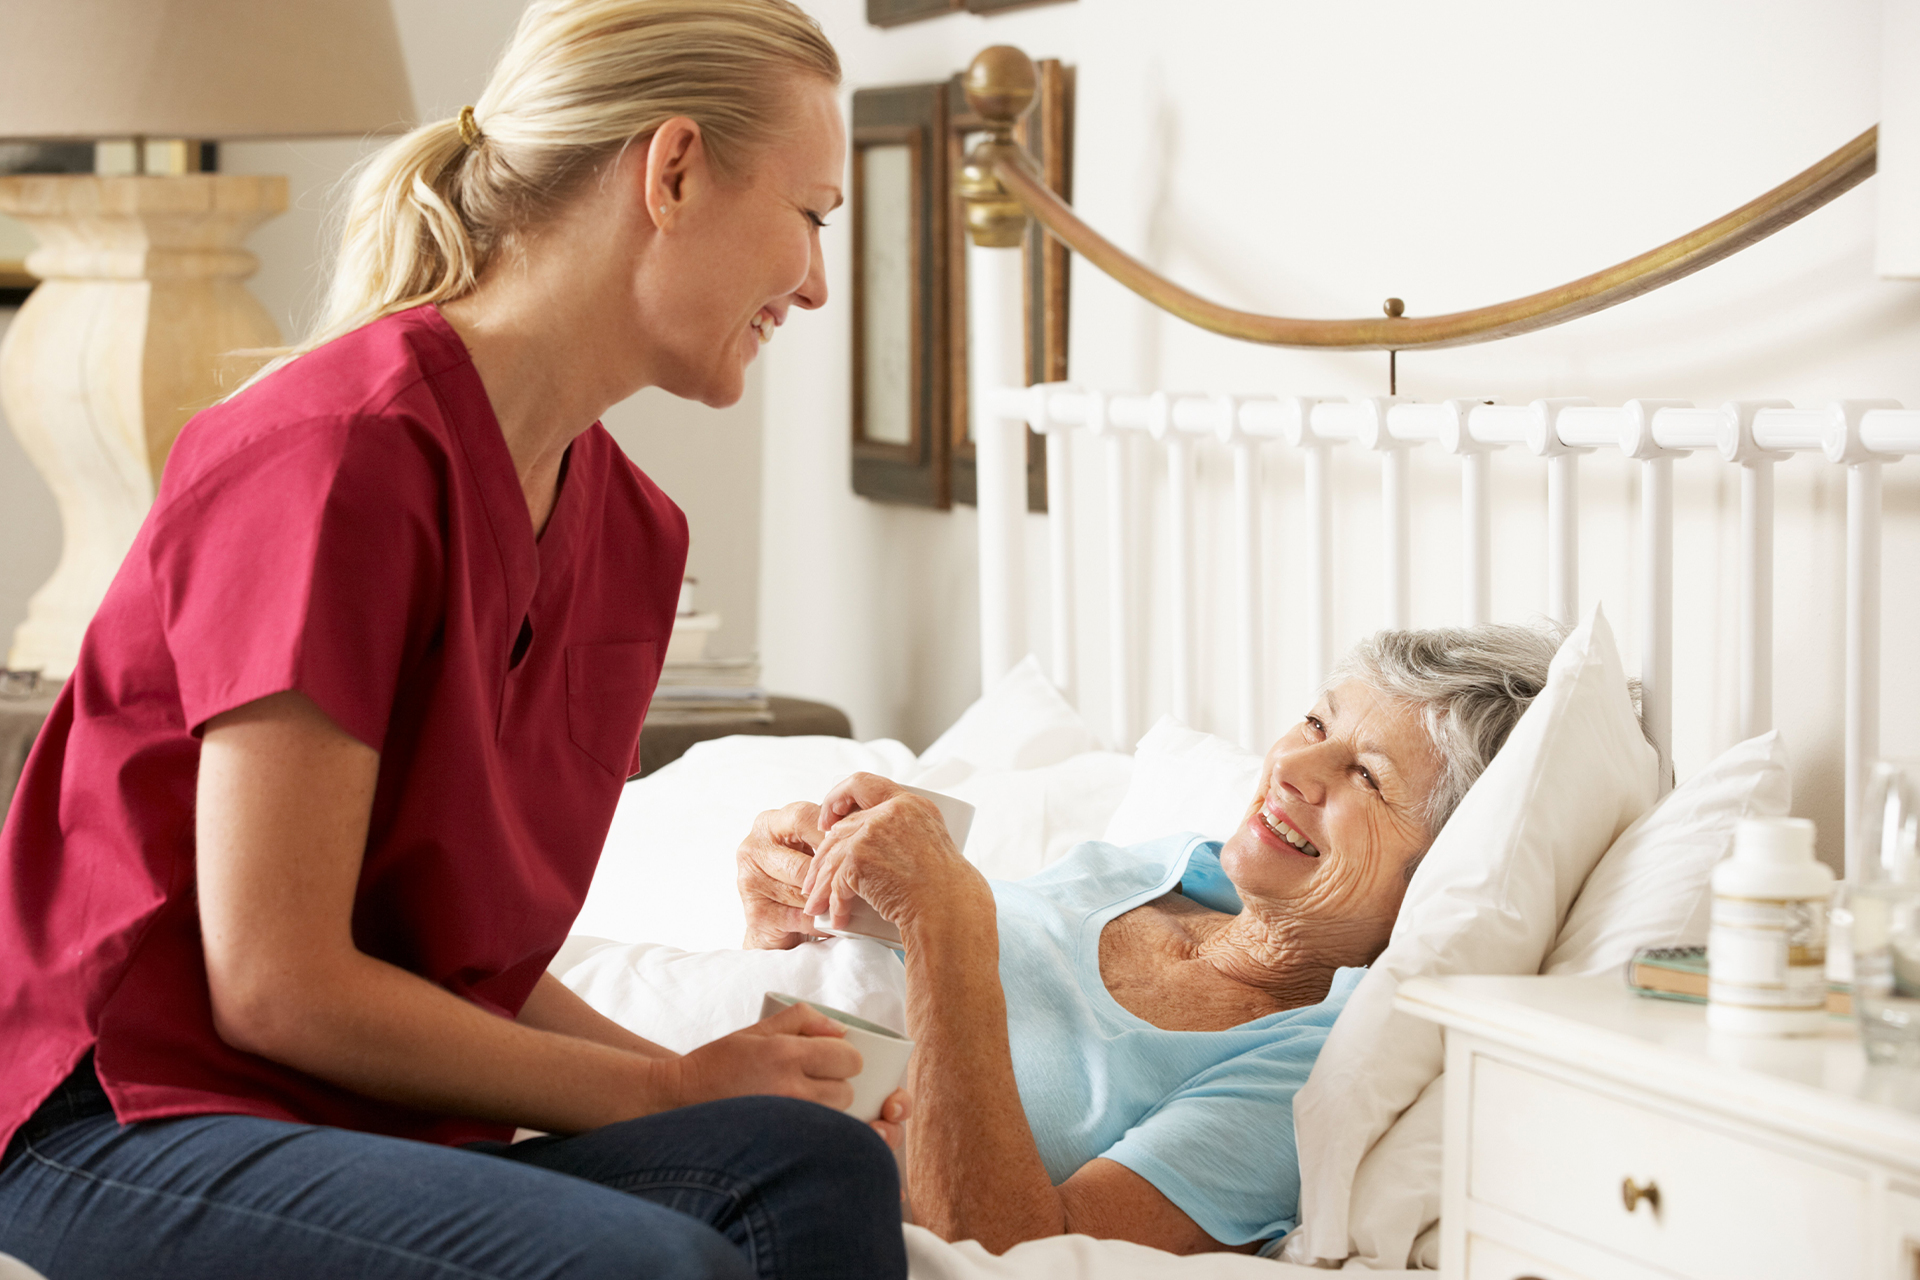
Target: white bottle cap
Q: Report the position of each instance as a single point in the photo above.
(1774, 841)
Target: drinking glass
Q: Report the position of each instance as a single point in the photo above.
(1885, 910)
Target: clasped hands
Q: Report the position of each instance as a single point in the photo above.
(869, 839)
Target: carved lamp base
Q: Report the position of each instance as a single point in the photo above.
(141, 321)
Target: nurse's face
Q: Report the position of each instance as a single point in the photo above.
(749, 253)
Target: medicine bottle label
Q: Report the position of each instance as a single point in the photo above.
(1768, 953)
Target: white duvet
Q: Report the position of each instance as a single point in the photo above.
(682, 999)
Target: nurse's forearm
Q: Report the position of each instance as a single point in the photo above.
(554, 1007)
(974, 1170)
(380, 1031)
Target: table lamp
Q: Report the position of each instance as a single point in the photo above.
(142, 296)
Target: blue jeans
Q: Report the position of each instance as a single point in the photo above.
(748, 1187)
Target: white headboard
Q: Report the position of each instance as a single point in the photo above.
(1749, 438)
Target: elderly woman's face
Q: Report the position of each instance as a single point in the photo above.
(1338, 817)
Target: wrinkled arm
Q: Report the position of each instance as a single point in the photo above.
(973, 1164)
(769, 868)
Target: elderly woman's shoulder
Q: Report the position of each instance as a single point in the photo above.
(1112, 868)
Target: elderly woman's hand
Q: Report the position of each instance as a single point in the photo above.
(891, 848)
(769, 869)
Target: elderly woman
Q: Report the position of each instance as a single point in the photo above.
(1111, 1047)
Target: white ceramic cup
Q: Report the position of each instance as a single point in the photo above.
(883, 1053)
(862, 920)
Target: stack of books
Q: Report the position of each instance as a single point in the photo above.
(709, 690)
(1680, 973)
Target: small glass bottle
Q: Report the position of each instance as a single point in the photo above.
(1767, 951)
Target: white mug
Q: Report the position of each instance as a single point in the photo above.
(883, 1053)
(862, 920)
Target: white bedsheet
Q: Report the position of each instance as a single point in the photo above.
(683, 999)
(1084, 1258)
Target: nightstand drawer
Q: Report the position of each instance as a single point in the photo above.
(1706, 1203)
(1491, 1260)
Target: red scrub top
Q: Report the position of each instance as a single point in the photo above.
(350, 527)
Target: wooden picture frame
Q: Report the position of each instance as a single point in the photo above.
(901, 204)
(1000, 6)
(1047, 133)
(891, 13)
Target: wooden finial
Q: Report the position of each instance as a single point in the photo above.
(1394, 308)
(1001, 85)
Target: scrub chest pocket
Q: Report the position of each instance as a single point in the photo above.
(607, 688)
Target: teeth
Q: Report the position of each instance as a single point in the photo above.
(763, 326)
(1292, 837)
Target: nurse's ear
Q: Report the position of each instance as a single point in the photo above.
(677, 168)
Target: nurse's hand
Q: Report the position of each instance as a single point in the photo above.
(797, 1053)
(769, 868)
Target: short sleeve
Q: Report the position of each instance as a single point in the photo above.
(309, 560)
(1222, 1146)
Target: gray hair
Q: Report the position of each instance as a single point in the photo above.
(1469, 684)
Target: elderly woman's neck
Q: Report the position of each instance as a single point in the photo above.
(1290, 958)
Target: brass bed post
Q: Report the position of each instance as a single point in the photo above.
(1002, 185)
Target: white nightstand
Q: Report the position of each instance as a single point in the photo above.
(1592, 1133)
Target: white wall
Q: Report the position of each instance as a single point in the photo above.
(29, 526)
(708, 460)
(1313, 159)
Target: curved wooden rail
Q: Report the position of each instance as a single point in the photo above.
(1787, 203)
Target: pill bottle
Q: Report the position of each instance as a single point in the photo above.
(1767, 951)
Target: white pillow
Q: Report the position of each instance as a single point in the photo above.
(683, 999)
(1025, 819)
(1489, 898)
(1020, 723)
(1651, 889)
(1184, 780)
(666, 871)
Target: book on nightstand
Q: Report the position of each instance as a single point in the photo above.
(1680, 973)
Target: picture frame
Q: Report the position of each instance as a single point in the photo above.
(1047, 133)
(901, 204)
(1002, 6)
(891, 13)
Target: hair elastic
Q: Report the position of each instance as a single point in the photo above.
(470, 134)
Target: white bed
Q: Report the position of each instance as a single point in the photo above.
(655, 944)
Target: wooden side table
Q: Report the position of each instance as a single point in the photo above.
(662, 744)
(20, 720)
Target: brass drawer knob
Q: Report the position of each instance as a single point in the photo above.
(1632, 1193)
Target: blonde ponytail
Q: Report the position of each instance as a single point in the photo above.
(579, 80)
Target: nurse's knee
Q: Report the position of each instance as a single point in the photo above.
(833, 1147)
(666, 1245)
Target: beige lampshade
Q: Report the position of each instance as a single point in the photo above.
(200, 69)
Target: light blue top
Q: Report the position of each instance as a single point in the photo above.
(1205, 1116)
